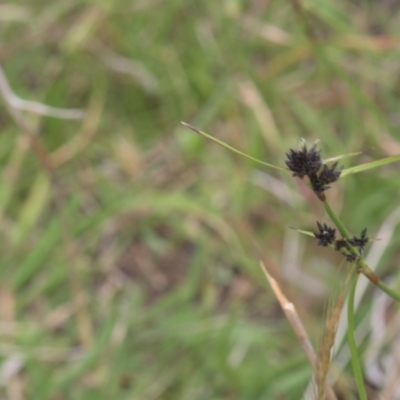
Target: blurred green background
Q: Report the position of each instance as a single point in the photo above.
(130, 267)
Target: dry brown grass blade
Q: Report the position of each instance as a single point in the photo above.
(328, 340)
(298, 327)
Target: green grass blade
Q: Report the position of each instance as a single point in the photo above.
(370, 165)
(206, 135)
(358, 376)
(356, 153)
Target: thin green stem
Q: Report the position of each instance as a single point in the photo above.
(335, 219)
(394, 295)
(367, 271)
(358, 376)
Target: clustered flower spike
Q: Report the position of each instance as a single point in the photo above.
(329, 175)
(317, 184)
(360, 242)
(326, 237)
(343, 246)
(308, 163)
(304, 162)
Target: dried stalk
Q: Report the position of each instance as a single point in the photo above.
(298, 327)
(328, 341)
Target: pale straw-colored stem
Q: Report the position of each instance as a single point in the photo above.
(297, 326)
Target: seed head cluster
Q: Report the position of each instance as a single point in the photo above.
(360, 242)
(306, 162)
(327, 236)
(343, 246)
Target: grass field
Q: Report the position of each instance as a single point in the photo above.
(130, 246)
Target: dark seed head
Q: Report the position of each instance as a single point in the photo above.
(343, 246)
(351, 257)
(317, 184)
(329, 175)
(304, 162)
(319, 181)
(360, 242)
(364, 235)
(325, 236)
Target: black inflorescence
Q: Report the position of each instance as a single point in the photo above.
(317, 184)
(329, 175)
(360, 242)
(304, 162)
(308, 163)
(343, 246)
(325, 236)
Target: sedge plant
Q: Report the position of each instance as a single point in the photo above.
(319, 174)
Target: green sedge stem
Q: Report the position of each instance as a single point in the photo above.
(338, 223)
(206, 135)
(367, 271)
(394, 295)
(369, 274)
(358, 376)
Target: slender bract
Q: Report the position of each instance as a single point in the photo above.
(370, 165)
(232, 148)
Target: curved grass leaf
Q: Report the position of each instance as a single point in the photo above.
(370, 165)
(206, 135)
(356, 153)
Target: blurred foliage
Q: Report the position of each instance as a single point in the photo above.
(133, 273)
